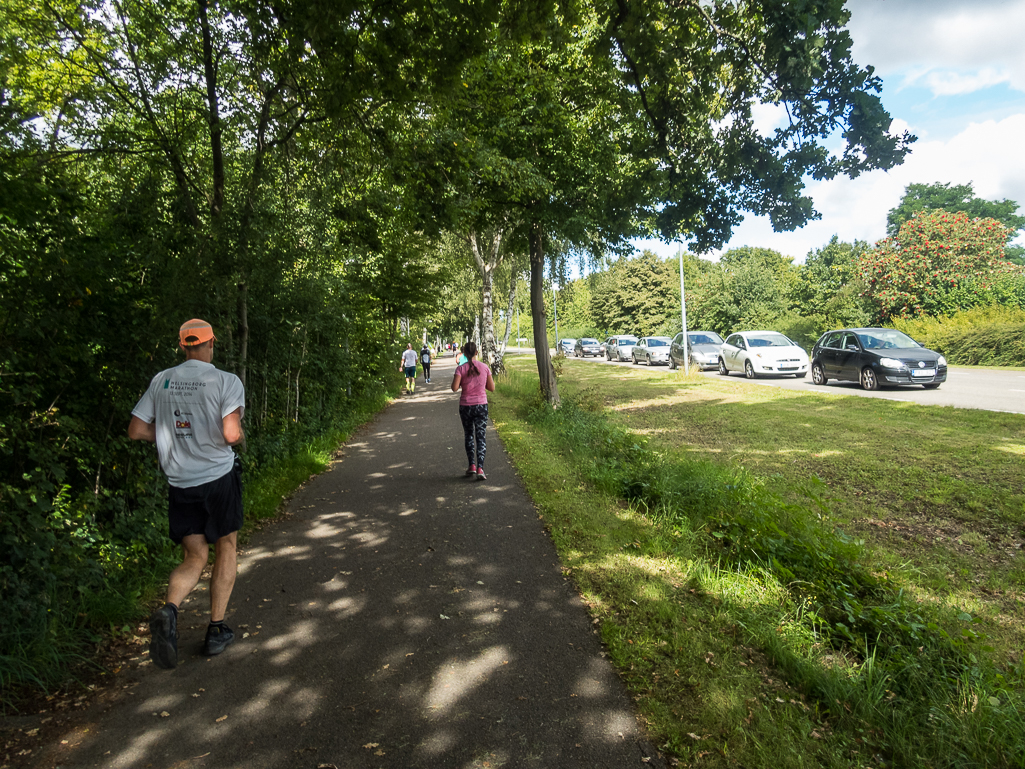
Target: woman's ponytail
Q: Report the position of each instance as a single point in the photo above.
(469, 350)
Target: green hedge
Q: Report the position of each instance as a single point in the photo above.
(982, 336)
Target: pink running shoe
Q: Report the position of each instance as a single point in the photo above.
(471, 470)
(480, 474)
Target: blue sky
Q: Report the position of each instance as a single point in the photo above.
(953, 75)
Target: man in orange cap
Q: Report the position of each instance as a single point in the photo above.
(193, 412)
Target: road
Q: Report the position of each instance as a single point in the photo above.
(968, 388)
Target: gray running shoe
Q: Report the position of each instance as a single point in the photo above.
(163, 645)
(218, 638)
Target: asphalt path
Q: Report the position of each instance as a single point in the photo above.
(400, 615)
(987, 389)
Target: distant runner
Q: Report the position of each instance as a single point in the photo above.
(408, 365)
(425, 361)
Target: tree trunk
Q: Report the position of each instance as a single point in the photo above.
(499, 366)
(214, 114)
(487, 266)
(545, 371)
(242, 362)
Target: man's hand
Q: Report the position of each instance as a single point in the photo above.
(142, 431)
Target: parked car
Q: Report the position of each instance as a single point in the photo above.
(757, 353)
(566, 346)
(618, 347)
(587, 346)
(651, 349)
(703, 347)
(876, 357)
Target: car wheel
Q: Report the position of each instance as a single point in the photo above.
(723, 371)
(672, 363)
(633, 359)
(749, 370)
(818, 376)
(869, 380)
(932, 386)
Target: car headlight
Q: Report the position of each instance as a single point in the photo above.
(891, 363)
(941, 361)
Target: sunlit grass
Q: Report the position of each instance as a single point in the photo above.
(726, 661)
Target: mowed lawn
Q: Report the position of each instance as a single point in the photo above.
(937, 493)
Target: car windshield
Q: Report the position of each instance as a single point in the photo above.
(627, 340)
(708, 338)
(588, 341)
(769, 340)
(886, 339)
(657, 342)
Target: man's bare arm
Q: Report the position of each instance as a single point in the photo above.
(231, 425)
(142, 431)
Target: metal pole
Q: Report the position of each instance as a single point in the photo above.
(555, 305)
(683, 316)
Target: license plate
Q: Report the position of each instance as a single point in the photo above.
(923, 372)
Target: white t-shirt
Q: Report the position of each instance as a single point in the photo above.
(188, 403)
(408, 358)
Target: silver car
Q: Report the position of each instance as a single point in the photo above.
(703, 348)
(651, 349)
(618, 347)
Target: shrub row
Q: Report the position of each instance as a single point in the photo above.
(983, 336)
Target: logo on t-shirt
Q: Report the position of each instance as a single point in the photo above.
(180, 425)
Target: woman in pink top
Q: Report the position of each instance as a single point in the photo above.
(475, 380)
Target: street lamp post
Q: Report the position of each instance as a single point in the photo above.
(683, 315)
(555, 306)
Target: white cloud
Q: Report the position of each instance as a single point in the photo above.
(947, 83)
(768, 117)
(975, 41)
(990, 155)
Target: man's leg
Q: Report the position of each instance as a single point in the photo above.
(163, 623)
(223, 579)
(186, 575)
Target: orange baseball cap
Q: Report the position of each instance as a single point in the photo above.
(195, 332)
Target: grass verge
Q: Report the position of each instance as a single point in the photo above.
(751, 629)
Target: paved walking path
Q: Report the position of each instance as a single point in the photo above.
(402, 615)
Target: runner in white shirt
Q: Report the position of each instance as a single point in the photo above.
(408, 365)
(193, 412)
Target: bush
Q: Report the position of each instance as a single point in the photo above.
(983, 336)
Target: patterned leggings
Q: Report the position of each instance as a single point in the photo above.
(475, 423)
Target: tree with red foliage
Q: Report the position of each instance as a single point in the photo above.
(938, 263)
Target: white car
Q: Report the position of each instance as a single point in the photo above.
(651, 349)
(618, 347)
(762, 353)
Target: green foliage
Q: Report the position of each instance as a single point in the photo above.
(637, 296)
(939, 263)
(750, 288)
(952, 199)
(990, 335)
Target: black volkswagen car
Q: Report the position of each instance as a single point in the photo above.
(876, 357)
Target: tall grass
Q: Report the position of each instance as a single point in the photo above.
(913, 679)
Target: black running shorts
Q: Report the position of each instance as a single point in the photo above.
(212, 509)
